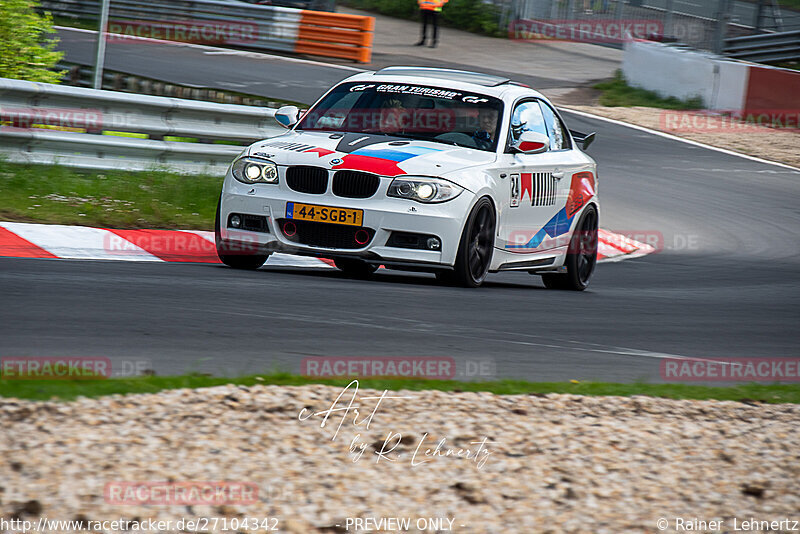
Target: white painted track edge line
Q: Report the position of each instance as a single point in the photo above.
(678, 138)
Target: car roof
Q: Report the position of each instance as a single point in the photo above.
(477, 78)
(497, 86)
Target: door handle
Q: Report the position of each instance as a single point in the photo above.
(558, 175)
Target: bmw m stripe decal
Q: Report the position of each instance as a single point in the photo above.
(382, 161)
(350, 142)
(581, 189)
(285, 145)
(558, 225)
(395, 154)
(296, 147)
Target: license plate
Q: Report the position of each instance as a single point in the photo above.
(325, 214)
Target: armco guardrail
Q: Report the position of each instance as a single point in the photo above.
(83, 76)
(766, 48)
(231, 23)
(46, 123)
(109, 152)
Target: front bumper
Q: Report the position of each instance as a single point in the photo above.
(382, 214)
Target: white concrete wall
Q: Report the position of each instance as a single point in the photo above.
(684, 74)
(732, 86)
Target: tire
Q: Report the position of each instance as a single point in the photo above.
(355, 268)
(581, 256)
(235, 256)
(475, 248)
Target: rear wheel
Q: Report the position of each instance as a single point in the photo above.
(236, 256)
(355, 268)
(475, 248)
(581, 256)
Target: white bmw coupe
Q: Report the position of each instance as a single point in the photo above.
(451, 172)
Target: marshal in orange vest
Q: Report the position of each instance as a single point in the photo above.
(431, 5)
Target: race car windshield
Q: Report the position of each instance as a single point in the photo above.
(412, 111)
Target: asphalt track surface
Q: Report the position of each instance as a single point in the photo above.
(256, 73)
(727, 284)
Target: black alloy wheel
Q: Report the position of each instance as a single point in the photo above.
(581, 255)
(475, 248)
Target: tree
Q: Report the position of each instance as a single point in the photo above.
(26, 43)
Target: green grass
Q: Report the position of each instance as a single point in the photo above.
(115, 199)
(617, 92)
(66, 390)
(791, 4)
(794, 65)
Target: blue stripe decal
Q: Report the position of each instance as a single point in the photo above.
(394, 154)
(558, 225)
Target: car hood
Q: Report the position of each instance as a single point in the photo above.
(380, 154)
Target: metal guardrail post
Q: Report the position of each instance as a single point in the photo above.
(100, 57)
(669, 18)
(723, 13)
(759, 15)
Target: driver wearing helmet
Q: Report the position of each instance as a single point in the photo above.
(487, 124)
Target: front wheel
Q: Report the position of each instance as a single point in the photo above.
(236, 256)
(581, 255)
(475, 248)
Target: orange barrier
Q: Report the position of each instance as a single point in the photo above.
(335, 35)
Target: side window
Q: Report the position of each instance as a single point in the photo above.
(526, 116)
(555, 128)
(334, 117)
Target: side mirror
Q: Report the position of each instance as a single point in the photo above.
(531, 142)
(287, 116)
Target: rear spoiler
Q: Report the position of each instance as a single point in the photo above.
(583, 139)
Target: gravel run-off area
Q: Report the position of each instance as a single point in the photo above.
(538, 463)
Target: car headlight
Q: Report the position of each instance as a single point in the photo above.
(423, 189)
(255, 171)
